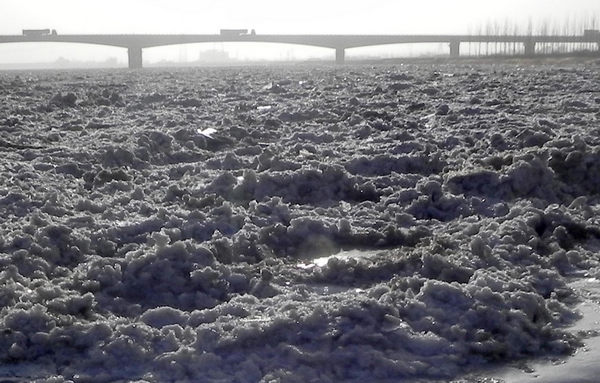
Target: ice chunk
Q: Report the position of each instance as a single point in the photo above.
(164, 316)
(208, 132)
(342, 255)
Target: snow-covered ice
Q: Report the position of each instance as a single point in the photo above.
(365, 223)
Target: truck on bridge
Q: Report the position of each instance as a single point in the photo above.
(39, 32)
(233, 32)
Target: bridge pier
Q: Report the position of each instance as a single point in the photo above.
(529, 48)
(340, 55)
(135, 57)
(454, 48)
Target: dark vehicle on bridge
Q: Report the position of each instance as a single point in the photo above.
(39, 32)
(233, 32)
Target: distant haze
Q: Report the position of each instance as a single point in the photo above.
(266, 16)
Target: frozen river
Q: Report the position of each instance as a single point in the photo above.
(393, 223)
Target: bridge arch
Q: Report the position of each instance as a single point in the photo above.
(265, 50)
(403, 49)
(20, 52)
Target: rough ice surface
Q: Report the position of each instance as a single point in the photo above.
(157, 225)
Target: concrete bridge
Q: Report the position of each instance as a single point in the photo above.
(135, 43)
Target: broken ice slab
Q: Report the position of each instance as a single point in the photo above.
(342, 255)
(274, 88)
(428, 117)
(329, 289)
(208, 132)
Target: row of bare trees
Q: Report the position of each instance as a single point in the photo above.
(569, 26)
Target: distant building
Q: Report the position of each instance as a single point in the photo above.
(214, 56)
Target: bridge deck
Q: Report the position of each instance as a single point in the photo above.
(327, 41)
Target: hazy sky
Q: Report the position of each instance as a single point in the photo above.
(266, 16)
